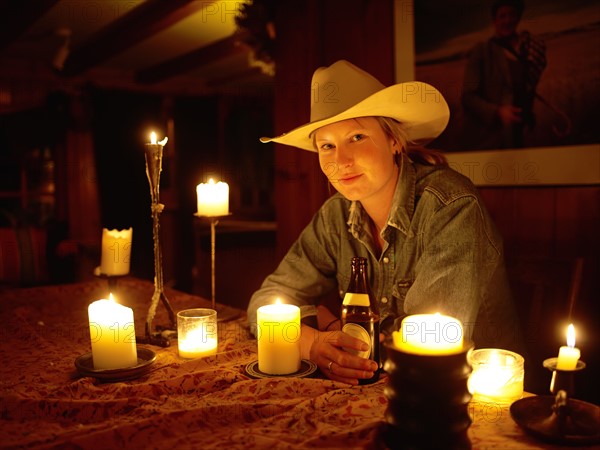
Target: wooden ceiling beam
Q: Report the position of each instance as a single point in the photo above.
(18, 16)
(220, 49)
(140, 23)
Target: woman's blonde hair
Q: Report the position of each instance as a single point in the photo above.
(416, 153)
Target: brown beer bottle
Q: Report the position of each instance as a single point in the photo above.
(359, 315)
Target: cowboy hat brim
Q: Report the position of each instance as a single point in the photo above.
(420, 107)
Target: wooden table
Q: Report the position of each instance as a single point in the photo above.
(184, 404)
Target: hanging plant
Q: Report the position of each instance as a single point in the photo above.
(255, 21)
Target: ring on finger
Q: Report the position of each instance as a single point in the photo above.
(329, 365)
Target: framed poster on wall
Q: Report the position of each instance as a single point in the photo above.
(446, 43)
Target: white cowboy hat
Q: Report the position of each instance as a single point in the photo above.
(343, 91)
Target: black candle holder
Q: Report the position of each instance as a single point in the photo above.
(428, 400)
(562, 379)
(559, 418)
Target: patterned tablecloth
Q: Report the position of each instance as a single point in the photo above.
(183, 404)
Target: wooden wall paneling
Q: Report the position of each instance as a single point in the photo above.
(559, 221)
(578, 220)
(296, 56)
(500, 203)
(534, 227)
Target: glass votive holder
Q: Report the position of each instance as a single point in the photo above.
(197, 332)
(497, 375)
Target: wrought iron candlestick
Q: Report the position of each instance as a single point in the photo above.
(214, 220)
(213, 282)
(153, 154)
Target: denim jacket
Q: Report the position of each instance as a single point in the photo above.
(442, 253)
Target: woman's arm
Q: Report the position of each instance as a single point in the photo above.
(456, 273)
(306, 273)
(304, 277)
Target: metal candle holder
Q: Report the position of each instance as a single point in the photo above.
(559, 418)
(427, 400)
(214, 220)
(153, 155)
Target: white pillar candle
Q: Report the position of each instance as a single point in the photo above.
(116, 251)
(278, 330)
(213, 198)
(429, 334)
(112, 333)
(568, 355)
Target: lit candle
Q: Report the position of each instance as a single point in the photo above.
(153, 140)
(568, 355)
(197, 332)
(213, 198)
(429, 334)
(497, 375)
(278, 338)
(116, 251)
(112, 332)
(197, 345)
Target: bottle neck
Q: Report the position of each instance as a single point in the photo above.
(358, 293)
(359, 279)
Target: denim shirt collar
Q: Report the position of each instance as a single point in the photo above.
(403, 204)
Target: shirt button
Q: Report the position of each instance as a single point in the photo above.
(341, 293)
(386, 259)
(384, 300)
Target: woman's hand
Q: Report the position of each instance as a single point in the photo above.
(326, 350)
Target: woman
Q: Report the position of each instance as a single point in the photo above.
(430, 244)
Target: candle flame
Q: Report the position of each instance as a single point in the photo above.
(278, 301)
(111, 298)
(153, 140)
(571, 336)
(211, 181)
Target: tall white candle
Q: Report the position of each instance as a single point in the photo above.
(116, 251)
(429, 334)
(278, 338)
(213, 198)
(568, 355)
(112, 333)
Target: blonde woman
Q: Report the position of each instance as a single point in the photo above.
(430, 244)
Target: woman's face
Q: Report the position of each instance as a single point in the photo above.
(357, 157)
(506, 21)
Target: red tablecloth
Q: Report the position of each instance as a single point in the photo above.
(184, 404)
